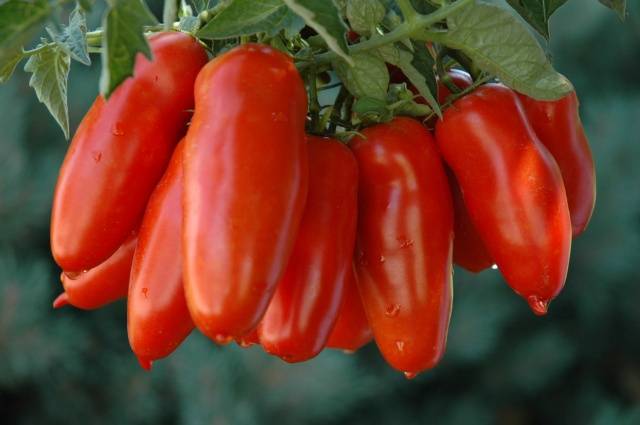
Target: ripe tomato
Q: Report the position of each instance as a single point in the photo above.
(513, 190)
(157, 316)
(305, 306)
(120, 151)
(245, 186)
(404, 243)
(557, 125)
(352, 329)
(103, 284)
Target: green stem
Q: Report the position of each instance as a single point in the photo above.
(169, 13)
(337, 109)
(407, 10)
(402, 31)
(314, 105)
(442, 72)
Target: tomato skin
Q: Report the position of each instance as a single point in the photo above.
(157, 316)
(305, 306)
(460, 78)
(404, 243)
(120, 151)
(557, 124)
(245, 186)
(352, 329)
(512, 188)
(104, 284)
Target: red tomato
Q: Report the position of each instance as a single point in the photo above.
(460, 78)
(245, 186)
(558, 126)
(101, 285)
(404, 243)
(157, 316)
(305, 306)
(120, 151)
(513, 190)
(352, 329)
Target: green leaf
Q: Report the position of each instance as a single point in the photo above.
(537, 12)
(50, 70)
(618, 6)
(73, 37)
(365, 15)
(324, 17)
(7, 67)
(246, 17)
(123, 39)
(189, 24)
(86, 5)
(19, 22)
(368, 77)
(501, 45)
(372, 110)
(202, 5)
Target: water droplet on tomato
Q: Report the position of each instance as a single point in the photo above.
(392, 310)
(117, 130)
(222, 339)
(538, 305)
(494, 267)
(410, 375)
(400, 345)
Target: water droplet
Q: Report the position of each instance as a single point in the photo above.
(392, 310)
(405, 243)
(381, 259)
(117, 130)
(410, 375)
(538, 305)
(400, 345)
(97, 156)
(222, 339)
(494, 267)
(145, 292)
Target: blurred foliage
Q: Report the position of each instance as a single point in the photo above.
(580, 364)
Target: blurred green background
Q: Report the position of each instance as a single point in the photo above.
(578, 365)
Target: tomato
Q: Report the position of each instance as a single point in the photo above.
(157, 316)
(249, 339)
(469, 250)
(120, 151)
(404, 243)
(352, 329)
(557, 124)
(513, 190)
(245, 186)
(101, 285)
(305, 306)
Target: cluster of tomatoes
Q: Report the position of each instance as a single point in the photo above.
(253, 231)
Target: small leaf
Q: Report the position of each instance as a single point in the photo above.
(246, 17)
(189, 24)
(537, 12)
(73, 37)
(420, 83)
(324, 17)
(501, 45)
(7, 67)
(368, 77)
(202, 5)
(364, 15)
(19, 22)
(123, 39)
(618, 6)
(50, 70)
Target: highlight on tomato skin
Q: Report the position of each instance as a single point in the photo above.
(118, 153)
(305, 306)
(157, 316)
(236, 247)
(404, 242)
(513, 190)
(104, 284)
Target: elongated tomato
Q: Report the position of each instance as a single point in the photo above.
(245, 186)
(404, 243)
(120, 151)
(557, 124)
(305, 306)
(105, 283)
(513, 190)
(352, 329)
(157, 316)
